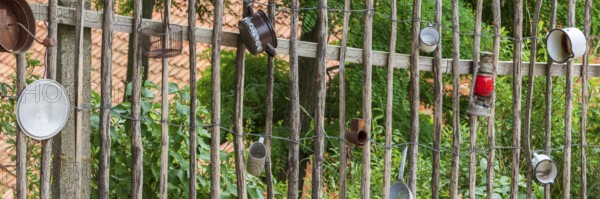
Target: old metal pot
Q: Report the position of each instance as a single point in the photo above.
(17, 23)
(357, 134)
(257, 33)
(565, 44)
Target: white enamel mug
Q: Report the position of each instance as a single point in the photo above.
(429, 38)
(564, 44)
(256, 157)
(544, 168)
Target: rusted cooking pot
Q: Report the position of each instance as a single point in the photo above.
(357, 134)
(16, 24)
(257, 33)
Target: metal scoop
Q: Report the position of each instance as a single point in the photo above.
(399, 190)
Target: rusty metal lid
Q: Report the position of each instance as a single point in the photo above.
(13, 38)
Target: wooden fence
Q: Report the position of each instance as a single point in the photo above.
(81, 18)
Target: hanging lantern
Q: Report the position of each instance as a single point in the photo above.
(483, 86)
(565, 44)
(429, 38)
(357, 134)
(257, 33)
(544, 168)
(17, 27)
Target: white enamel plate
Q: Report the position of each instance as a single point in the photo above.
(43, 109)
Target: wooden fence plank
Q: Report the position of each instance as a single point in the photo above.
(319, 131)
(342, 111)
(308, 49)
(46, 162)
(193, 96)
(215, 137)
(367, 92)
(529, 101)
(387, 175)
(414, 93)
(548, 116)
(106, 100)
(491, 120)
(294, 150)
(585, 97)
(21, 138)
(79, 101)
(164, 113)
(137, 150)
(518, 31)
(437, 107)
(473, 118)
(269, 122)
(238, 120)
(455, 102)
(568, 112)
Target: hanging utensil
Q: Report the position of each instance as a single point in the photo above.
(43, 109)
(400, 190)
(17, 27)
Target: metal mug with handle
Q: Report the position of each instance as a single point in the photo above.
(400, 190)
(256, 157)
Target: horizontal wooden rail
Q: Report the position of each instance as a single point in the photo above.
(93, 19)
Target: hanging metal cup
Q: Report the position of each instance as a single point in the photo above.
(257, 33)
(256, 157)
(564, 44)
(544, 168)
(429, 38)
(400, 190)
(17, 27)
(43, 109)
(357, 134)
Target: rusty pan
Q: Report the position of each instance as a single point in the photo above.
(357, 134)
(16, 25)
(257, 33)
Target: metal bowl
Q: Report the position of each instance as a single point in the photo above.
(43, 109)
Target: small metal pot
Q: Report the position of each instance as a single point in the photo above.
(256, 157)
(357, 134)
(16, 24)
(429, 38)
(545, 169)
(257, 33)
(565, 44)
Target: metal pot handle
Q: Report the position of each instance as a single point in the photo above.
(271, 50)
(401, 174)
(250, 9)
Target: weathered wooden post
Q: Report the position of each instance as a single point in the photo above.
(71, 149)
(342, 109)
(294, 150)
(269, 120)
(215, 160)
(317, 179)
(585, 97)
(437, 107)
(193, 96)
(548, 118)
(455, 102)
(21, 138)
(367, 93)
(518, 31)
(388, 105)
(473, 118)
(238, 120)
(137, 153)
(568, 112)
(491, 120)
(414, 91)
(106, 100)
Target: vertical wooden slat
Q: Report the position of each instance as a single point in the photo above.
(437, 107)
(137, 154)
(414, 91)
(548, 115)
(365, 186)
(105, 101)
(294, 149)
(568, 112)
(473, 118)
(342, 78)
(389, 106)
(215, 141)
(21, 139)
(269, 122)
(491, 120)
(164, 113)
(529, 100)
(238, 120)
(46, 163)
(79, 96)
(455, 102)
(585, 98)
(317, 177)
(518, 31)
(193, 97)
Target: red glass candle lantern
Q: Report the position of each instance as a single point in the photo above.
(483, 86)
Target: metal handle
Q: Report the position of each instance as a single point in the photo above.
(48, 42)
(271, 50)
(401, 174)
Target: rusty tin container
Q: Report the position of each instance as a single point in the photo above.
(257, 33)
(357, 134)
(15, 16)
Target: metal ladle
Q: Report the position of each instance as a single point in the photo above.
(399, 190)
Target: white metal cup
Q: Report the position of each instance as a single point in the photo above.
(256, 157)
(429, 38)
(564, 44)
(544, 168)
